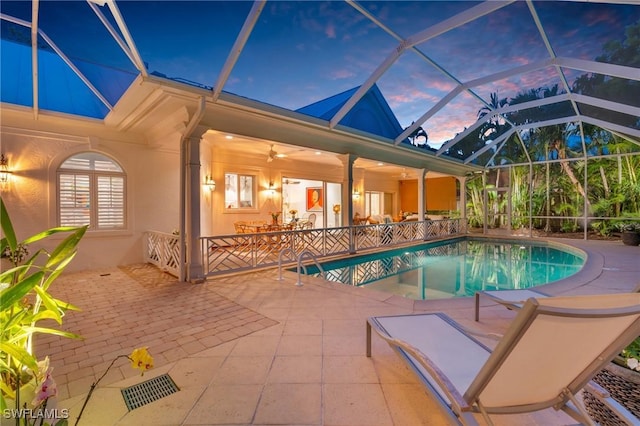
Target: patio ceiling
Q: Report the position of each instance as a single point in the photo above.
(473, 83)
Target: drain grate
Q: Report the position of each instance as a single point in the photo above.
(152, 390)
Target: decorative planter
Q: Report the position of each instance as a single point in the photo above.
(624, 386)
(631, 238)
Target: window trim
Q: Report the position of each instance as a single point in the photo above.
(254, 193)
(94, 175)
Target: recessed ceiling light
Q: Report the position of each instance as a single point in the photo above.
(318, 153)
(380, 164)
(229, 137)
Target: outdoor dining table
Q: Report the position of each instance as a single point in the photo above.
(257, 227)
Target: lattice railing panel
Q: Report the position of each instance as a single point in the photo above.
(232, 252)
(336, 241)
(223, 254)
(366, 237)
(269, 246)
(162, 250)
(313, 241)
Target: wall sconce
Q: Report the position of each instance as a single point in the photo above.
(5, 173)
(356, 195)
(210, 183)
(271, 189)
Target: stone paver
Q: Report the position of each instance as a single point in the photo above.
(138, 306)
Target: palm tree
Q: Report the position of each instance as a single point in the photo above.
(494, 126)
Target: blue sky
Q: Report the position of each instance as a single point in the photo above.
(301, 52)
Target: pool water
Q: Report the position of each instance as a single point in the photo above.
(455, 268)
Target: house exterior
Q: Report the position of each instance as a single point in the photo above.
(164, 140)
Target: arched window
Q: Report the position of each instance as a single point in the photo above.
(91, 191)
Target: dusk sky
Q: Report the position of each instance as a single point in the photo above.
(302, 52)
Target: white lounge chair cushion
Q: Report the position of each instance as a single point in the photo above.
(457, 355)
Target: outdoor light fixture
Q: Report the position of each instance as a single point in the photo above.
(4, 169)
(210, 183)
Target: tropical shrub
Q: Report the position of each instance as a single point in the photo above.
(25, 301)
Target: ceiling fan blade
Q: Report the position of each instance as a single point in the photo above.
(272, 155)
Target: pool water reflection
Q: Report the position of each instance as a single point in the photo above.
(456, 268)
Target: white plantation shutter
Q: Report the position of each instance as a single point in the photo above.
(75, 200)
(110, 202)
(91, 191)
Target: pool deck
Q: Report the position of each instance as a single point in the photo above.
(252, 350)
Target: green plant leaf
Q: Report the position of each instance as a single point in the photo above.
(12, 294)
(45, 330)
(50, 304)
(48, 232)
(43, 315)
(66, 247)
(58, 270)
(7, 227)
(20, 355)
(12, 317)
(8, 275)
(66, 306)
(6, 390)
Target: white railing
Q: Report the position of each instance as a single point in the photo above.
(224, 254)
(162, 250)
(241, 252)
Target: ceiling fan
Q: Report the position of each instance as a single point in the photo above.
(403, 175)
(287, 181)
(273, 154)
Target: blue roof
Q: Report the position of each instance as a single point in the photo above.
(59, 88)
(371, 113)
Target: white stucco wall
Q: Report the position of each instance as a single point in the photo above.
(30, 197)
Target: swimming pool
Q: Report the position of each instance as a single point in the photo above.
(455, 268)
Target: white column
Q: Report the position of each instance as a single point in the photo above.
(347, 187)
(463, 203)
(422, 174)
(195, 271)
(347, 191)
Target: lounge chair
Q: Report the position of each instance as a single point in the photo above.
(551, 350)
(514, 299)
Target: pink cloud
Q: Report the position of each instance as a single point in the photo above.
(410, 97)
(341, 74)
(330, 30)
